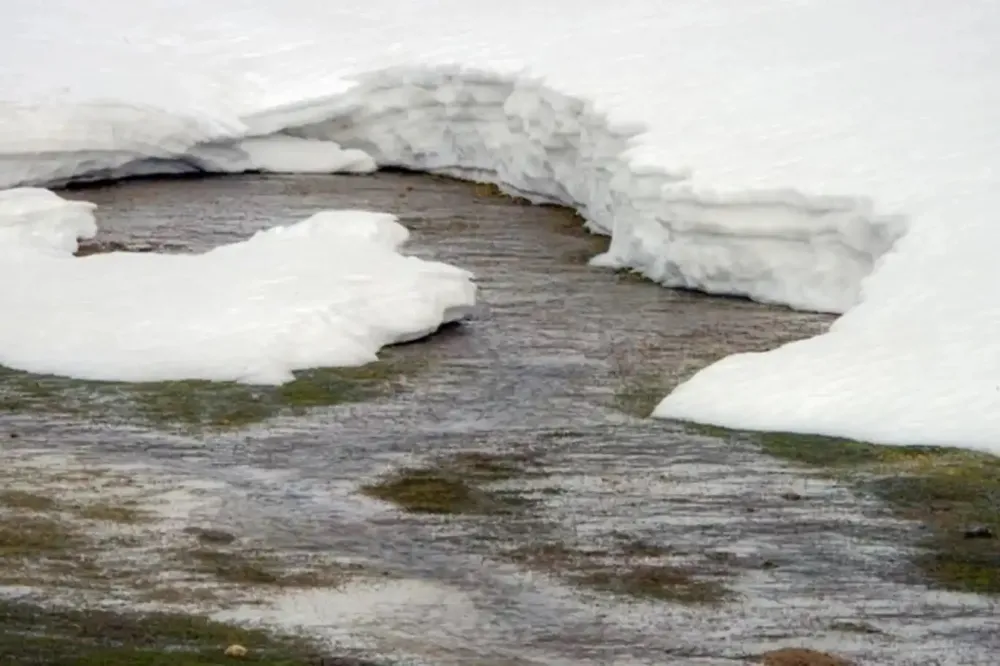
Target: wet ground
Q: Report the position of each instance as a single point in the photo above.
(559, 557)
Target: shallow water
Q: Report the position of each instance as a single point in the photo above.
(541, 365)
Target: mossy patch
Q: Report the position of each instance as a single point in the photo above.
(457, 484)
(954, 492)
(838, 453)
(483, 467)
(28, 534)
(656, 582)
(123, 513)
(211, 536)
(31, 635)
(493, 191)
(465, 484)
(646, 370)
(203, 404)
(640, 393)
(49, 544)
(263, 569)
(629, 276)
(854, 627)
(631, 547)
(87, 248)
(626, 570)
(22, 499)
(437, 492)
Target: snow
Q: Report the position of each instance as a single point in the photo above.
(683, 150)
(916, 363)
(330, 290)
(390, 609)
(281, 154)
(776, 149)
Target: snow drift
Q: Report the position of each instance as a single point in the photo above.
(777, 150)
(330, 290)
(808, 252)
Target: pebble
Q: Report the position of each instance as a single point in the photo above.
(236, 651)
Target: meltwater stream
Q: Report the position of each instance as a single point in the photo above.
(540, 365)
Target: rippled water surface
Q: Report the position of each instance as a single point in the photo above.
(546, 362)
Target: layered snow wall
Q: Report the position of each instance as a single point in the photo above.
(786, 247)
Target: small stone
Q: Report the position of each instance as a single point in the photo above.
(236, 651)
(14, 435)
(791, 496)
(767, 565)
(750, 509)
(210, 535)
(979, 532)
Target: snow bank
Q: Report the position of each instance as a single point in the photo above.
(34, 221)
(612, 119)
(780, 247)
(58, 144)
(328, 291)
(280, 154)
(916, 363)
(809, 252)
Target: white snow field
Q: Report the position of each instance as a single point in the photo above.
(776, 149)
(330, 290)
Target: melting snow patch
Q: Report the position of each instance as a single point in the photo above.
(406, 613)
(328, 291)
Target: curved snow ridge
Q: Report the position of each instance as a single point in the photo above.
(808, 252)
(52, 143)
(785, 247)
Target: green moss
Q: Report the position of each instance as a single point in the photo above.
(639, 393)
(708, 430)
(493, 191)
(641, 548)
(436, 492)
(123, 513)
(20, 499)
(210, 535)
(202, 404)
(457, 484)
(480, 467)
(831, 452)
(849, 627)
(35, 636)
(617, 571)
(631, 276)
(951, 491)
(255, 568)
(657, 583)
(33, 535)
